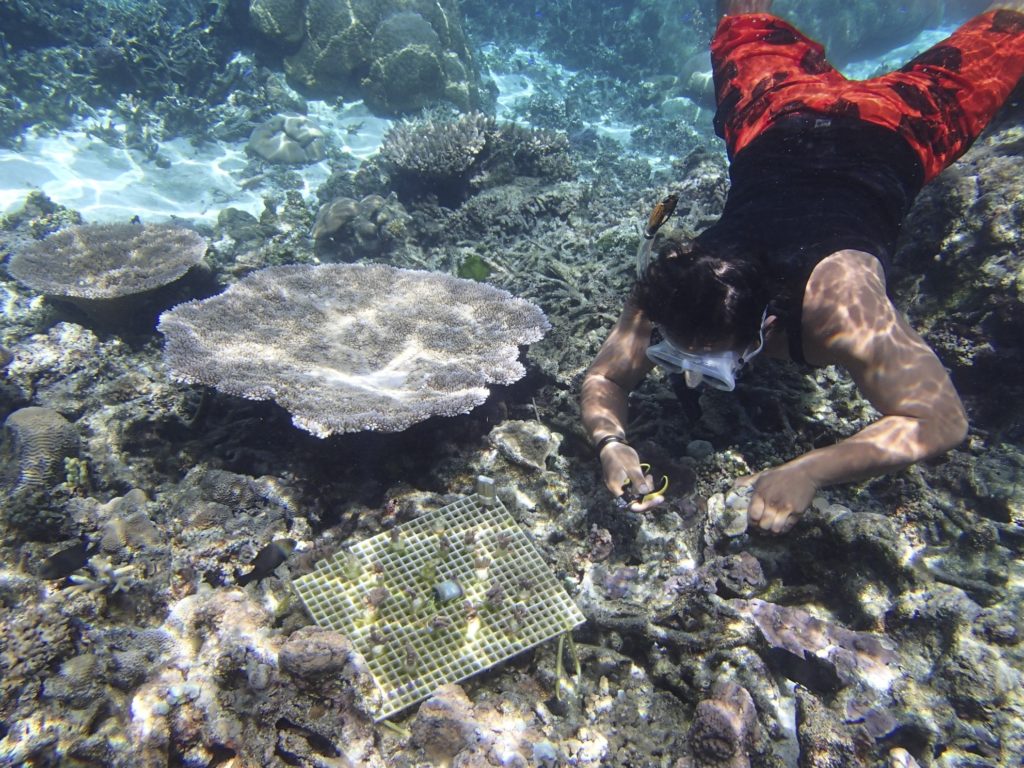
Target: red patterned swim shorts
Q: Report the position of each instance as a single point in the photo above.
(765, 69)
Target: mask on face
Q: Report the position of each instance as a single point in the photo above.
(716, 369)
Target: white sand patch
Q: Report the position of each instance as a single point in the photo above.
(106, 183)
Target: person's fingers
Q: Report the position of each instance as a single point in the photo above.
(615, 480)
(743, 482)
(779, 523)
(755, 510)
(639, 482)
(643, 506)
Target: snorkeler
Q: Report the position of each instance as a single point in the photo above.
(823, 171)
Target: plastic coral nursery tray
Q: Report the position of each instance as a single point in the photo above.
(440, 598)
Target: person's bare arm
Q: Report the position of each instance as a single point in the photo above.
(848, 320)
(619, 366)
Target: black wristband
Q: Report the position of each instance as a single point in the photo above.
(608, 439)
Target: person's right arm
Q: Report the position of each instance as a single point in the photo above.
(619, 366)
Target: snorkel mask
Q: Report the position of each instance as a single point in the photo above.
(716, 369)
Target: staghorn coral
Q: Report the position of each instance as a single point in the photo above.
(103, 576)
(107, 261)
(352, 347)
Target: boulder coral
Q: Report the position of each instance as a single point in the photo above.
(398, 55)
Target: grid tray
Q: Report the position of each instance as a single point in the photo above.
(440, 598)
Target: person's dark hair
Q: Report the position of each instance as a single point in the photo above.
(699, 296)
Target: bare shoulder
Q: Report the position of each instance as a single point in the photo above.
(845, 305)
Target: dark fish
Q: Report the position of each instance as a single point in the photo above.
(67, 561)
(267, 560)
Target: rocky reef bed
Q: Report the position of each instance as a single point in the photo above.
(143, 622)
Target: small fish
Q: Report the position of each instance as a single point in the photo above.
(267, 560)
(62, 564)
(660, 215)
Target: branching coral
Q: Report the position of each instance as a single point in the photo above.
(104, 576)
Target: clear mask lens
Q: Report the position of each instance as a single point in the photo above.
(716, 369)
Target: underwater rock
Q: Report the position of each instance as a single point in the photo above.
(313, 652)
(223, 685)
(727, 513)
(974, 678)
(347, 230)
(36, 443)
(825, 741)
(997, 479)
(444, 724)
(288, 139)
(738, 575)
(353, 347)
(113, 272)
(724, 728)
(451, 729)
(527, 443)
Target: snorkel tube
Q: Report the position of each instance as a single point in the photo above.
(659, 215)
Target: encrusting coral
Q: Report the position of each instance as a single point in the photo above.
(351, 347)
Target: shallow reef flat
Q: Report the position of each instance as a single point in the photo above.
(150, 529)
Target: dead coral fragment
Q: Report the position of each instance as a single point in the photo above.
(104, 577)
(352, 347)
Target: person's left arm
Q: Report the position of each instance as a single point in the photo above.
(849, 320)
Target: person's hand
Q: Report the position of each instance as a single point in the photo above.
(780, 498)
(620, 464)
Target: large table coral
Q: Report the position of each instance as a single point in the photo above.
(352, 347)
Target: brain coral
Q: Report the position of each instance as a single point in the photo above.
(346, 347)
(107, 261)
(37, 440)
